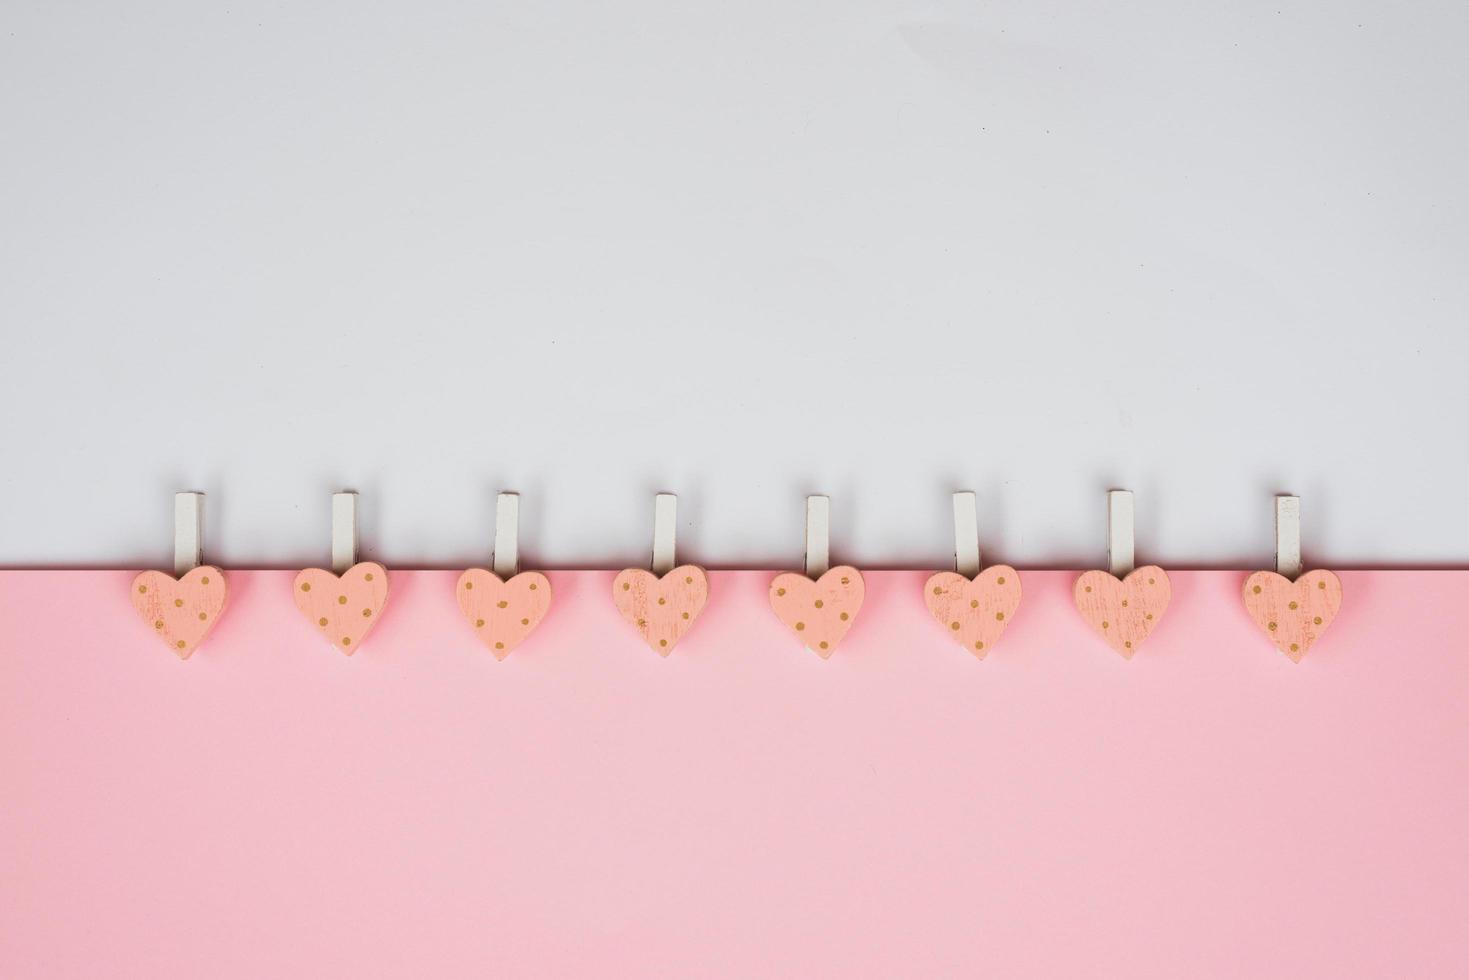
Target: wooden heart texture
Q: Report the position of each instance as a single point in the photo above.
(181, 611)
(1124, 611)
(343, 607)
(974, 612)
(819, 612)
(503, 613)
(1293, 614)
(663, 609)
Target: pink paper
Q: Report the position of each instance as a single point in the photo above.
(743, 808)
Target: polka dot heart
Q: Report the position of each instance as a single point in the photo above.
(181, 612)
(503, 613)
(343, 607)
(1124, 611)
(819, 612)
(1293, 614)
(663, 609)
(974, 612)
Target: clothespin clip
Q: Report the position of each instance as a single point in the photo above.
(182, 608)
(665, 525)
(344, 604)
(505, 605)
(1120, 530)
(188, 532)
(821, 604)
(1288, 536)
(662, 604)
(1123, 604)
(973, 605)
(344, 531)
(506, 557)
(818, 536)
(966, 534)
(1293, 609)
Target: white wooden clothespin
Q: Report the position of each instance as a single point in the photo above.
(188, 524)
(665, 523)
(507, 535)
(344, 531)
(1288, 536)
(818, 535)
(966, 534)
(1120, 556)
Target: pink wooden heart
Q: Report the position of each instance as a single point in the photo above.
(819, 612)
(503, 613)
(181, 611)
(1124, 611)
(974, 612)
(661, 609)
(1293, 614)
(343, 607)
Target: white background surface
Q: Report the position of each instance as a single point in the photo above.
(744, 252)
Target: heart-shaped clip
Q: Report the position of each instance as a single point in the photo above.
(821, 605)
(503, 606)
(343, 604)
(662, 605)
(1123, 604)
(1292, 609)
(182, 608)
(973, 605)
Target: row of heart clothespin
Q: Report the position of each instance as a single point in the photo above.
(973, 605)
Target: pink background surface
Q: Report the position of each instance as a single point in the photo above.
(272, 808)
